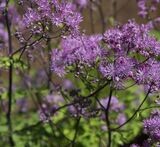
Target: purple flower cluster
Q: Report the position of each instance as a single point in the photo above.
(125, 44)
(148, 74)
(122, 55)
(142, 8)
(52, 12)
(80, 50)
(132, 37)
(119, 70)
(152, 126)
(116, 54)
(145, 8)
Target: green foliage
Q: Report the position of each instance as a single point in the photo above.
(5, 62)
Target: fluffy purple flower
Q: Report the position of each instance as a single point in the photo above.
(124, 42)
(107, 69)
(44, 7)
(132, 37)
(144, 7)
(119, 61)
(82, 50)
(56, 13)
(119, 70)
(148, 74)
(31, 17)
(66, 13)
(152, 126)
(113, 38)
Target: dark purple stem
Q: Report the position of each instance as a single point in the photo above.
(10, 77)
(76, 131)
(107, 118)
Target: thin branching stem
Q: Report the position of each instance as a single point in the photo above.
(134, 114)
(76, 131)
(107, 117)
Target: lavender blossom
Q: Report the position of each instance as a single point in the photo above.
(66, 13)
(118, 71)
(55, 13)
(132, 37)
(152, 126)
(83, 50)
(142, 8)
(145, 8)
(123, 43)
(30, 17)
(148, 74)
(119, 62)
